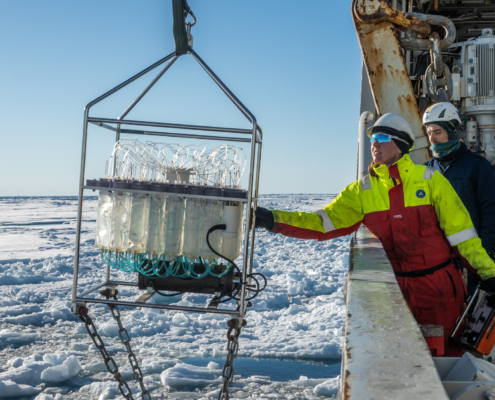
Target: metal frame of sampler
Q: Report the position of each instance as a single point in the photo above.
(116, 125)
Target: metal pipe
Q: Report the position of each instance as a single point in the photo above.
(80, 205)
(92, 289)
(138, 99)
(242, 309)
(159, 306)
(184, 135)
(104, 126)
(363, 144)
(173, 126)
(122, 283)
(466, 310)
(255, 205)
(194, 196)
(242, 108)
(130, 80)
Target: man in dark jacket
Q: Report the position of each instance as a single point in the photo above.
(470, 174)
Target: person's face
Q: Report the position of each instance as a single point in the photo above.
(385, 153)
(437, 134)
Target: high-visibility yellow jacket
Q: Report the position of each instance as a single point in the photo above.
(412, 209)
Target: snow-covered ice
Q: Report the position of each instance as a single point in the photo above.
(46, 353)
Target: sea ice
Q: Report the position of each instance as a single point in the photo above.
(61, 372)
(16, 339)
(299, 316)
(188, 376)
(328, 388)
(9, 388)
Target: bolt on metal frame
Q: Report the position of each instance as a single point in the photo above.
(115, 125)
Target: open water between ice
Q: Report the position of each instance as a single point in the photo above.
(277, 370)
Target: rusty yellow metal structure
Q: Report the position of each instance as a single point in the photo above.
(376, 28)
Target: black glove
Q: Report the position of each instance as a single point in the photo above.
(488, 285)
(264, 218)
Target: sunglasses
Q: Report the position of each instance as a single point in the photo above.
(384, 138)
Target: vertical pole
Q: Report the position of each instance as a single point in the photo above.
(365, 120)
(364, 144)
(80, 206)
(255, 205)
(245, 266)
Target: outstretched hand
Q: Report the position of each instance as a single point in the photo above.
(264, 218)
(488, 285)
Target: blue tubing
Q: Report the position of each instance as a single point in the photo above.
(158, 266)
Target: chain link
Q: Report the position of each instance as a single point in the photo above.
(109, 361)
(232, 350)
(126, 340)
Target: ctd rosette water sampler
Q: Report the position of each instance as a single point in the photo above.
(173, 217)
(173, 214)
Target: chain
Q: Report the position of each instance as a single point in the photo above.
(126, 341)
(232, 350)
(82, 313)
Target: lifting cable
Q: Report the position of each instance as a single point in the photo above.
(182, 30)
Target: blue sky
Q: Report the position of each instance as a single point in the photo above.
(296, 65)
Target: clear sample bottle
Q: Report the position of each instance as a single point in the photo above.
(213, 215)
(121, 217)
(175, 221)
(157, 221)
(193, 224)
(140, 218)
(233, 215)
(104, 216)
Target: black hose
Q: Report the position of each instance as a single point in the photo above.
(238, 289)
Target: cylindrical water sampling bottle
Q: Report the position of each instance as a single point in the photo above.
(213, 215)
(175, 221)
(140, 218)
(193, 225)
(104, 215)
(233, 214)
(157, 221)
(121, 216)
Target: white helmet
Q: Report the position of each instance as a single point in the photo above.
(441, 112)
(394, 121)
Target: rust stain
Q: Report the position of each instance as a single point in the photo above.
(385, 65)
(381, 12)
(346, 395)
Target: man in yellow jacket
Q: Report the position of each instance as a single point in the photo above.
(415, 213)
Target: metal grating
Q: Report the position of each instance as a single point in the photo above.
(486, 69)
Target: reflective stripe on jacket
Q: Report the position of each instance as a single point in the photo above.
(472, 177)
(410, 208)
